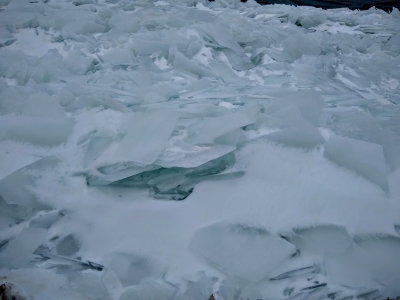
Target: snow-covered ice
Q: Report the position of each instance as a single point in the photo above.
(178, 149)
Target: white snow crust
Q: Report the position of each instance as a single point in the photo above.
(175, 149)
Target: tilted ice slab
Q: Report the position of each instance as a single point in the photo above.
(240, 250)
(145, 135)
(365, 158)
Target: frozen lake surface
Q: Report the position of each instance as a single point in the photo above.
(175, 149)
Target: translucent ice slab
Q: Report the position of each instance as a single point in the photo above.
(365, 158)
(240, 250)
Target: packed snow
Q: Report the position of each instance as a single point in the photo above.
(178, 149)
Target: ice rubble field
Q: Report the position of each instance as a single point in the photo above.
(177, 149)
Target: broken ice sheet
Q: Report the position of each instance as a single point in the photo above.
(41, 131)
(321, 239)
(18, 201)
(364, 126)
(185, 155)
(282, 117)
(222, 39)
(68, 245)
(240, 250)
(95, 146)
(47, 259)
(89, 286)
(367, 159)
(175, 183)
(208, 129)
(13, 213)
(145, 135)
(294, 109)
(19, 251)
(15, 188)
(382, 255)
(132, 269)
(350, 268)
(181, 62)
(28, 101)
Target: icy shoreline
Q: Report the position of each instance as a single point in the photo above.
(177, 149)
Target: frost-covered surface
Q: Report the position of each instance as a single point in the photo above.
(174, 149)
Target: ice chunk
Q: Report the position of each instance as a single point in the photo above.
(181, 62)
(150, 289)
(119, 57)
(361, 125)
(247, 252)
(199, 289)
(303, 104)
(145, 136)
(13, 213)
(41, 131)
(89, 286)
(211, 128)
(297, 45)
(19, 251)
(365, 158)
(223, 71)
(29, 102)
(116, 172)
(193, 47)
(68, 245)
(238, 60)
(175, 183)
(121, 21)
(95, 147)
(303, 136)
(281, 116)
(132, 269)
(309, 102)
(350, 268)
(222, 38)
(15, 187)
(322, 239)
(235, 138)
(357, 125)
(220, 35)
(64, 263)
(85, 22)
(47, 67)
(302, 109)
(189, 156)
(383, 260)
